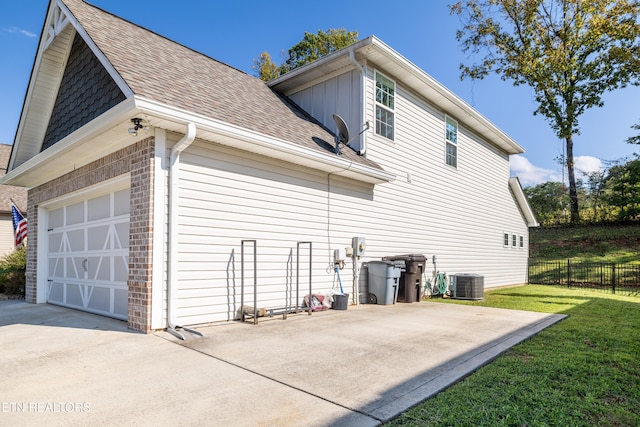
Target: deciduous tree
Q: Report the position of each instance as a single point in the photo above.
(309, 49)
(570, 52)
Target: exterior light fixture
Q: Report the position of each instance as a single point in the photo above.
(137, 125)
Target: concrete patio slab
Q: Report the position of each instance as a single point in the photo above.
(357, 367)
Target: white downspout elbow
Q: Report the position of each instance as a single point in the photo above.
(172, 276)
(363, 99)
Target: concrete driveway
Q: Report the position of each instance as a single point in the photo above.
(357, 367)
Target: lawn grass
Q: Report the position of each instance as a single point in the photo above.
(612, 243)
(582, 371)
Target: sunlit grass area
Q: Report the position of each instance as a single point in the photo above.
(582, 371)
(612, 243)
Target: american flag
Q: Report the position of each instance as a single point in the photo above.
(19, 225)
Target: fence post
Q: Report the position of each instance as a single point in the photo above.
(613, 278)
(569, 272)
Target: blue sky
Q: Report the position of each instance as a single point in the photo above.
(422, 31)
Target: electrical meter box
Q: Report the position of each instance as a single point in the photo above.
(358, 244)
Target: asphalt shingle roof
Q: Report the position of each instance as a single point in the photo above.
(170, 73)
(10, 192)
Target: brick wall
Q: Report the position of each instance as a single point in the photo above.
(137, 160)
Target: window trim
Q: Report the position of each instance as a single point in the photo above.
(514, 240)
(447, 142)
(505, 239)
(521, 242)
(377, 104)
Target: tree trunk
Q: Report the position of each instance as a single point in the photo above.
(573, 192)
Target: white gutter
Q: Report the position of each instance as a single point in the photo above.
(172, 282)
(363, 99)
(257, 142)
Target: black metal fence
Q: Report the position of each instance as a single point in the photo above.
(616, 278)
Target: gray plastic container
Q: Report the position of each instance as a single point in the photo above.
(383, 282)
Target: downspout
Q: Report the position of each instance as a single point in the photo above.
(172, 244)
(362, 151)
(363, 99)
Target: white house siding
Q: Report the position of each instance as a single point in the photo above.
(6, 234)
(226, 196)
(458, 214)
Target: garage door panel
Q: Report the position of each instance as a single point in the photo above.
(121, 205)
(55, 242)
(99, 208)
(100, 268)
(75, 240)
(121, 269)
(55, 292)
(100, 299)
(121, 236)
(89, 254)
(74, 214)
(121, 300)
(98, 238)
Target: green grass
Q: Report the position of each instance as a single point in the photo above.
(582, 371)
(614, 243)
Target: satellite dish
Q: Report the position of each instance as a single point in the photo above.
(343, 130)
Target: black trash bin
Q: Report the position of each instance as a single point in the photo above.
(410, 286)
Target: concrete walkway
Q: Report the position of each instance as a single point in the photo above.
(358, 367)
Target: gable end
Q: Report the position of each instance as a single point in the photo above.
(86, 91)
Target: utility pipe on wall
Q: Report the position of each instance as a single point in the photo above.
(174, 167)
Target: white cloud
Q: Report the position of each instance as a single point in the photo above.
(587, 164)
(529, 174)
(20, 31)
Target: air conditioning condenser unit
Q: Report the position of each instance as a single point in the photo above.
(467, 286)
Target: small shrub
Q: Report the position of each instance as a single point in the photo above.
(12, 272)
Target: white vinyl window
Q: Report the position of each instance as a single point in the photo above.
(451, 142)
(385, 106)
(514, 240)
(521, 242)
(505, 241)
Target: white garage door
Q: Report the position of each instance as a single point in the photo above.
(88, 255)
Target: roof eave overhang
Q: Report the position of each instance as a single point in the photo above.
(175, 120)
(108, 133)
(377, 53)
(521, 198)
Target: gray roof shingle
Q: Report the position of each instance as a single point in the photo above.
(173, 74)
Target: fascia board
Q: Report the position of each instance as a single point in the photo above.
(40, 164)
(516, 188)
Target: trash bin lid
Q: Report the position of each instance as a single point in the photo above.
(407, 257)
(386, 262)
